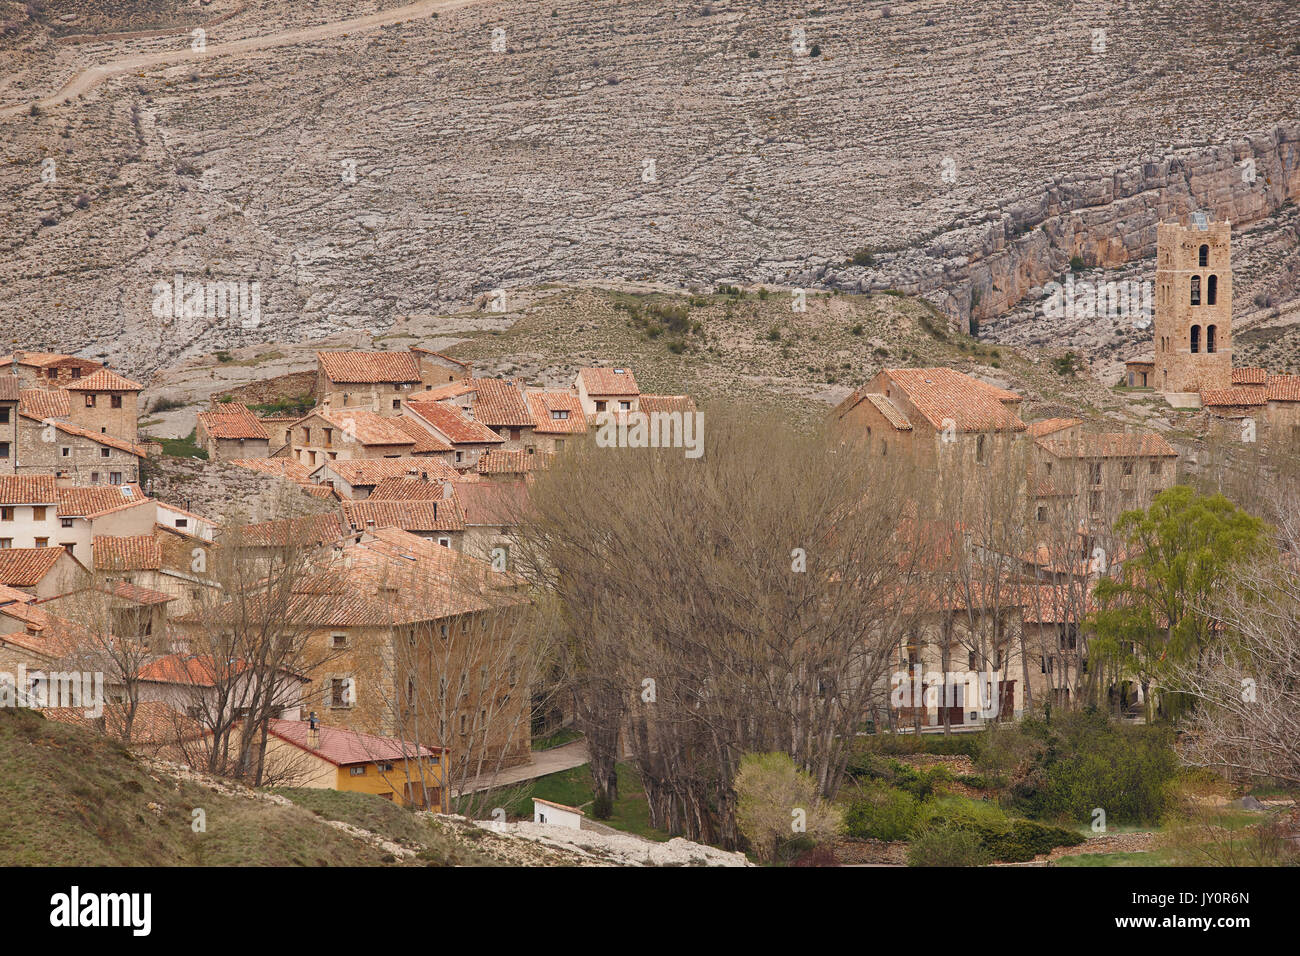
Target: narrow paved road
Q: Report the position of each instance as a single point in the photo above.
(565, 757)
(90, 78)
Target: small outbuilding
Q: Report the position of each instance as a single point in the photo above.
(556, 814)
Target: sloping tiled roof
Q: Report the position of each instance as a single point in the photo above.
(348, 747)
(137, 552)
(26, 567)
(543, 404)
(1284, 388)
(452, 422)
(942, 394)
(608, 381)
(45, 403)
(1109, 445)
(893, 414)
(499, 462)
(231, 420)
(448, 358)
(426, 515)
(369, 368)
(426, 442)
(500, 403)
(360, 472)
(666, 403)
(366, 427)
(1050, 425)
(1238, 395)
(95, 500)
(28, 490)
(1249, 376)
(10, 391)
(287, 468)
(302, 531)
(104, 380)
(406, 489)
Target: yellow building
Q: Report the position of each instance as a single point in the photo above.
(332, 758)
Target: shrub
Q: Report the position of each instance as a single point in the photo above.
(769, 788)
(602, 808)
(864, 257)
(947, 846)
(1077, 264)
(857, 329)
(882, 813)
(774, 334)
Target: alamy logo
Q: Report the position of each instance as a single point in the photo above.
(210, 299)
(651, 430)
(969, 690)
(75, 909)
(38, 690)
(1090, 300)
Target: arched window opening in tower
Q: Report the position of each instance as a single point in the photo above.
(1205, 256)
(1196, 290)
(1211, 345)
(1212, 290)
(1196, 338)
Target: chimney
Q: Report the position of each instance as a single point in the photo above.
(313, 731)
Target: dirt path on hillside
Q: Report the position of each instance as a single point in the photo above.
(90, 78)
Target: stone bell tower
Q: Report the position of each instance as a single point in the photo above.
(1193, 307)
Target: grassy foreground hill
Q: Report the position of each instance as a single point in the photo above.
(69, 798)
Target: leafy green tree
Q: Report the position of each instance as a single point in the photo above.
(1159, 609)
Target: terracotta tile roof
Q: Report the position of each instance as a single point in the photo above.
(453, 423)
(137, 594)
(139, 552)
(28, 490)
(451, 390)
(318, 491)
(230, 420)
(1239, 395)
(1284, 388)
(1249, 376)
(941, 394)
(1109, 445)
(345, 748)
(369, 368)
(27, 567)
(1143, 360)
(499, 462)
(1049, 425)
(153, 724)
(45, 402)
(365, 427)
(406, 489)
(303, 531)
(286, 468)
(362, 472)
(10, 391)
(98, 438)
(95, 500)
(193, 669)
(893, 414)
(667, 403)
(608, 381)
(104, 380)
(546, 405)
(500, 403)
(426, 442)
(491, 502)
(426, 515)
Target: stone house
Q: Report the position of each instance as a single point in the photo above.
(229, 430)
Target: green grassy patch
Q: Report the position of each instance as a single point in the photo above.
(573, 789)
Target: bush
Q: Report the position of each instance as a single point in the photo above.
(769, 790)
(864, 257)
(602, 807)
(1005, 840)
(947, 846)
(1085, 760)
(882, 813)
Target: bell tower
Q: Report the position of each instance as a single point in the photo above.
(1193, 307)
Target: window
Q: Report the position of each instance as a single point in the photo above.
(979, 448)
(1094, 473)
(4, 449)
(339, 640)
(397, 403)
(442, 629)
(104, 452)
(462, 723)
(1196, 339)
(65, 452)
(1128, 469)
(1155, 468)
(340, 692)
(1203, 256)
(65, 522)
(6, 514)
(560, 414)
(6, 543)
(4, 416)
(42, 542)
(115, 401)
(1196, 290)
(1042, 512)
(357, 771)
(90, 399)
(52, 373)
(600, 406)
(114, 477)
(38, 512)
(460, 456)
(1211, 331)
(94, 477)
(445, 542)
(624, 406)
